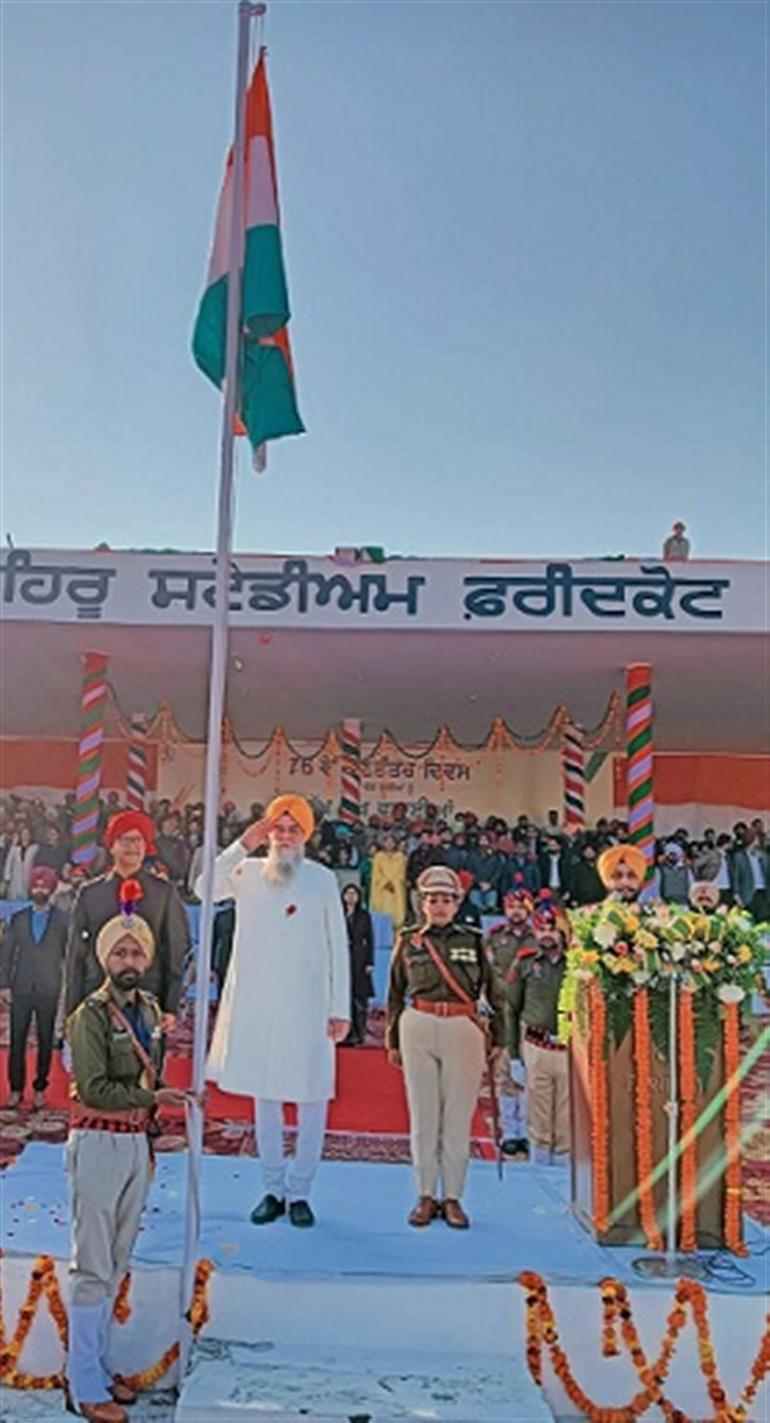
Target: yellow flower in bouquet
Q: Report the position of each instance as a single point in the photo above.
(745, 954)
(646, 940)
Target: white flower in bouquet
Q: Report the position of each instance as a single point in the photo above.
(677, 950)
(605, 934)
(730, 993)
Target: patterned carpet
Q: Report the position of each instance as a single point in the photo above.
(228, 1137)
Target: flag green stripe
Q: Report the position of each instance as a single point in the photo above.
(264, 302)
(268, 404)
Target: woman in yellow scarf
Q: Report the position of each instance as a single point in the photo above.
(388, 892)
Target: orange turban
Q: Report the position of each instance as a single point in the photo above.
(609, 860)
(297, 807)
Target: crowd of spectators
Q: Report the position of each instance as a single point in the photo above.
(385, 854)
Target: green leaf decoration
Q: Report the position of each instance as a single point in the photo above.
(619, 1013)
(708, 1033)
(658, 1012)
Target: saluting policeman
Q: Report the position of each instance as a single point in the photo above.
(533, 1004)
(438, 976)
(116, 1045)
(505, 944)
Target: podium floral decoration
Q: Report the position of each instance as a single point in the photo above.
(716, 957)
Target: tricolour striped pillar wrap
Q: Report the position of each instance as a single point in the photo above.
(350, 796)
(136, 778)
(573, 768)
(93, 703)
(639, 751)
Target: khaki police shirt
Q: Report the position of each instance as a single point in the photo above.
(106, 1069)
(533, 997)
(413, 974)
(504, 943)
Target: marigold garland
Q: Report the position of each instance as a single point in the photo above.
(599, 1113)
(542, 1332)
(44, 1282)
(121, 1310)
(610, 1345)
(643, 1084)
(689, 1139)
(733, 1191)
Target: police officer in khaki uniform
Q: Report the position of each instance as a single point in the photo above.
(439, 973)
(506, 942)
(116, 1045)
(533, 1004)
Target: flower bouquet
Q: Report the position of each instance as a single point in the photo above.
(719, 957)
(615, 1006)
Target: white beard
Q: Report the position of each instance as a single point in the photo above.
(282, 865)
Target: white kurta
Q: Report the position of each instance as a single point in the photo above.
(289, 973)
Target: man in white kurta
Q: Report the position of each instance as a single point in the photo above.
(286, 998)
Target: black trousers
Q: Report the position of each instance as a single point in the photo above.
(358, 1010)
(23, 1006)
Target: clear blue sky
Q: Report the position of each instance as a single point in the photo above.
(525, 247)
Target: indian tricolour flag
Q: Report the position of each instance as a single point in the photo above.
(267, 404)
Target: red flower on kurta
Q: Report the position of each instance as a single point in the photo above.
(291, 909)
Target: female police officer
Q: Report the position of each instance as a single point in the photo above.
(438, 975)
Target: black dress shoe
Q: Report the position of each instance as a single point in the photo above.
(510, 1146)
(301, 1214)
(269, 1209)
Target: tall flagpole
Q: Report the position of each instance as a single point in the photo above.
(218, 669)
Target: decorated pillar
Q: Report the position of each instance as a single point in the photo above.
(573, 769)
(93, 704)
(639, 753)
(136, 779)
(350, 797)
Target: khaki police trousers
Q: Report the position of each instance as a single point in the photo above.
(547, 1097)
(110, 1176)
(443, 1062)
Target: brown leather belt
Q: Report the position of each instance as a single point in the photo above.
(543, 1038)
(445, 1010)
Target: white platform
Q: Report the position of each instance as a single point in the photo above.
(237, 1383)
(363, 1281)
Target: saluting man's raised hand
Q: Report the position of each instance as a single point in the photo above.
(258, 834)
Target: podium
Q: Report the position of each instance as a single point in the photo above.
(606, 1123)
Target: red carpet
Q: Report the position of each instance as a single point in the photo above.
(370, 1094)
(367, 1122)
